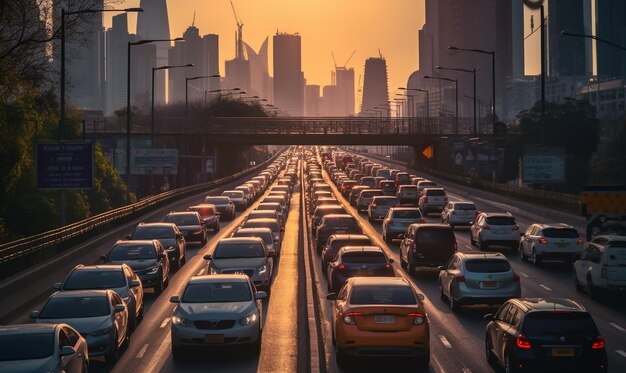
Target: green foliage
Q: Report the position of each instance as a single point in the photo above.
(608, 166)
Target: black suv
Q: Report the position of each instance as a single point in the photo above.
(547, 334)
(168, 235)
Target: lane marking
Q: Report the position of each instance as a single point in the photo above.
(164, 323)
(444, 341)
(200, 273)
(523, 274)
(617, 327)
(142, 351)
(545, 287)
(466, 370)
(621, 352)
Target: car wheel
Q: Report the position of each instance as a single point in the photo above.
(342, 359)
(112, 356)
(205, 239)
(472, 242)
(217, 228)
(158, 288)
(387, 239)
(593, 291)
(410, 268)
(509, 366)
(577, 284)
(177, 353)
(522, 256)
(442, 295)
(454, 305)
(534, 258)
(491, 358)
(481, 245)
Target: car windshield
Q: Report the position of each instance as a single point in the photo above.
(203, 211)
(559, 323)
(238, 251)
(273, 225)
(182, 220)
(435, 238)
(487, 265)
(379, 294)
(75, 307)
(341, 222)
(406, 188)
(401, 177)
(149, 233)
(132, 252)
(233, 194)
(407, 214)
(386, 201)
(368, 257)
(217, 292)
(216, 200)
(464, 206)
(261, 214)
(81, 280)
(26, 346)
(337, 244)
(368, 194)
(427, 185)
(435, 193)
(501, 220)
(560, 233)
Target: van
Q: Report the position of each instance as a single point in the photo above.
(426, 245)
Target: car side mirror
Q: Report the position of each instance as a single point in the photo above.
(57, 285)
(119, 308)
(421, 297)
(489, 316)
(207, 257)
(134, 283)
(331, 296)
(260, 295)
(67, 351)
(33, 315)
(174, 299)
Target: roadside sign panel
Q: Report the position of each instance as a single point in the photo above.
(154, 161)
(65, 166)
(543, 165)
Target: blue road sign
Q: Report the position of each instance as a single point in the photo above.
(65, 166)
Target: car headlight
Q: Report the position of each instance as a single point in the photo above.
(250, 319)
(262, 269)
(214, 271)
(152, 270)
(99, 332)
(177, 320)
(170, 248)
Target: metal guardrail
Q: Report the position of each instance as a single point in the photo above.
(18, 255)
(566, 202)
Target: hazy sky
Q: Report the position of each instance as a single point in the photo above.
(341, 26)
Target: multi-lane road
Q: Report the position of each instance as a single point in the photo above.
(296, 332)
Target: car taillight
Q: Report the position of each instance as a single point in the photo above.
(453, 212)
(599, 343)
(390, 221)
(387, 266)
(348, 317)
(522, 342)
(341, 267)
(580, 241)
(418, 318)
(374, 205)
(445, 199)
(516, 277)
(516, 228)
(459, 278)
(543, 240)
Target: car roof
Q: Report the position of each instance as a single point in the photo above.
(341, 237)
(338, 216)
(269, 203)
(134, 242)
(253, 230)
(438, 188)
(379, 281)
(485, 255)
(80, 293)
(432, 225)
(182, 213)
(237, 240)
(34, 328)
(385, 197)
(554, 225)
(161, 224)
(459, 202)
(207, 279)
(404, 208)
(262, 220)
(202, 206)
(329, 207)
(548, 304)
(363, 249)
(99, 267)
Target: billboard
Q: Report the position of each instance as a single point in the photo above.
(65, 166)
(147, 161)
(543, 165)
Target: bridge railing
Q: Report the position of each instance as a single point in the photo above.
(295, 126)
(18, 255)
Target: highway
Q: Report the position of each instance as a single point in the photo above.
(289, 342)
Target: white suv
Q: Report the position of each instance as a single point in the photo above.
(495, 228)
(602, 265)
(550, 242)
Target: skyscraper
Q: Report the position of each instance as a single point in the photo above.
(312, 100)
(117, 38)
(375, 86)
(344, 78)
(259, 73)
(611, 26)
(212, 59)
(569, 56)
(153, 23)
(143, 59)
(288, 75)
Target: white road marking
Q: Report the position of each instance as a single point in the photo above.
(523, 274)
(617, 327)
(200, 273)
(444, 341)
(621, 352)
(142, 351)
(164, 323)
(545, 287)
(466, 370)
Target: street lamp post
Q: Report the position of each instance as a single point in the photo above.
(493, 80)
(187, 89)
(128, 109)
(473, 71)
(427, 97)
(152, 102)
(64, 13)
(456, 95)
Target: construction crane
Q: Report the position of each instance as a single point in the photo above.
(239, 37)
(349, 58)
(345, 64)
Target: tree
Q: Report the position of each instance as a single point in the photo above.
(608, 165)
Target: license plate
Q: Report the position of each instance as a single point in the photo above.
(563, 352)
(384, 319)
(340, 232)
(214, 338)
(364, 272)
(561, 245)
(489, 284)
